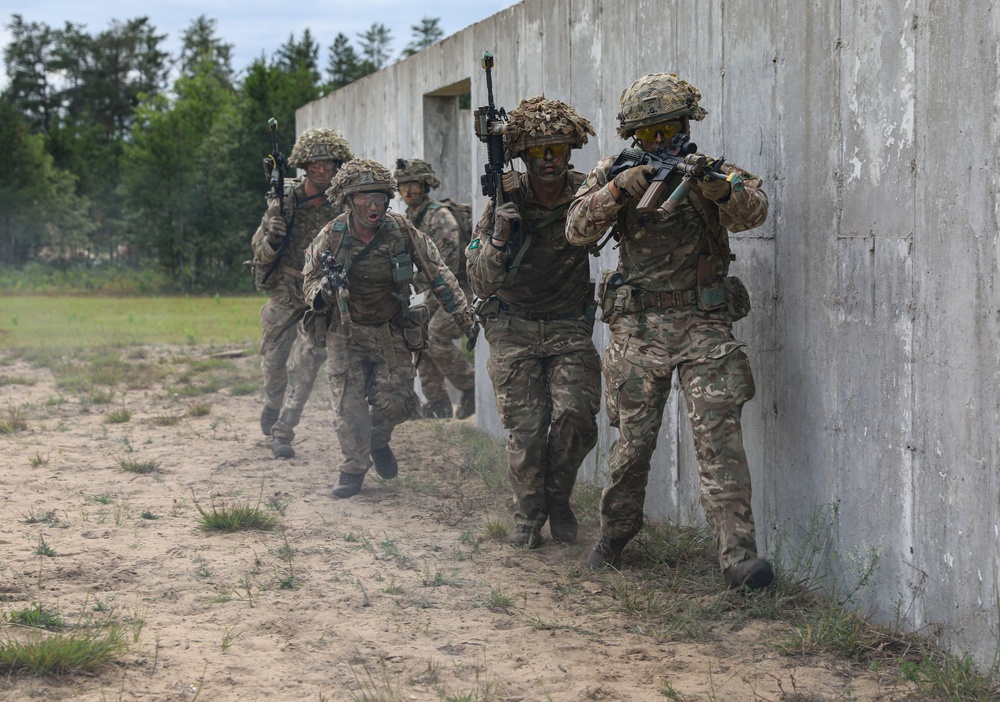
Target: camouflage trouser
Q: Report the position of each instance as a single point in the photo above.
(547, 378)
(443, 359)
(290, 362)
(371, 395)
(716, 380)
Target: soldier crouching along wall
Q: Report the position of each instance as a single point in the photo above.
(671, 305)
(537, 312)
(358, 272)
(290, 357)
(443, 359)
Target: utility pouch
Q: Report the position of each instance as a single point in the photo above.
(607, 292)
(486, 309)
(316, 324)
(737, 298)
(711, 290)
(415, 328)
(402, 268)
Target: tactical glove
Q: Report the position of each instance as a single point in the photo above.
(503, 218)
(275, 228)
(714, 190)
(326, 291)
(635, 181)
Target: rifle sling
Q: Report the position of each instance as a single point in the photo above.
(549, 219)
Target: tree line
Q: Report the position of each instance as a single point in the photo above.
(118, 154)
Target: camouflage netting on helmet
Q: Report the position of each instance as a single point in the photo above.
(415, 170)
(656, 98)
(537, 121)
(362, 175)
(320, 145)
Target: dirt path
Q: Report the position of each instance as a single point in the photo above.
(396, 594)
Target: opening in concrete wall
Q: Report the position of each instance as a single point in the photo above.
(448, 137)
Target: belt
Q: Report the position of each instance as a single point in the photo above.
(668, 298)
(542, 316)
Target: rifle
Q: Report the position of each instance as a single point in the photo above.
(677, 157)
(489, 125)
(275, 167)
(335, 273)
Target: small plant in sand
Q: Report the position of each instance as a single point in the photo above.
(235, 516)
(134, 465)
(118, 416)
(12, 420)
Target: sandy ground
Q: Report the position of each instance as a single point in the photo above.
(399, 593)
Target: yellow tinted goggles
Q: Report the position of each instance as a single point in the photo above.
(668, 131)
(539, 151)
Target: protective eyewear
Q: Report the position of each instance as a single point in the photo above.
(365, 200)
(668, 131)
(323, 166)
(539, 151)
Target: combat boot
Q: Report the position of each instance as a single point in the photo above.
(348, 485)
(606, 552)
(562, 522)
(282, 447)
(467, 405)
(267, 419)
(385, 463)
(441, 409)
(525, 536)
(750, 574)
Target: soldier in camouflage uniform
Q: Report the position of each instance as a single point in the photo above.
(362, 292)
(290, 358)
(443, 359)
(538, 317)
(671, 306)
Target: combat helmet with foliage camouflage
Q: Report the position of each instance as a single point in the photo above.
(320, 145)
(415, 170)
(362, 175)
(537, 121)
(657, 98)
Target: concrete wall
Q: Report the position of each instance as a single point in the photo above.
(874, 333)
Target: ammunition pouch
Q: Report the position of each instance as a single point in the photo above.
(607, 291)
(414, 327)
(486, 308)
(737, 298)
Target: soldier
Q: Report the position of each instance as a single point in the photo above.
(443, 359)
(538, 316)
(290, 358)
(671, 306)
(363, 294)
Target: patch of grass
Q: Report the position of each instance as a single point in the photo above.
(38, 460)
(16, 380)
(48, 517)
(941, 676)
(134, 465)
(13, 419)
(44, 549)
(243, 389)
(498, 600)
(164, 420)
(85, 650)
(36, 616)
(147, 514)
(496, 530)
(118, 416)
(235, 516)
(199, 409)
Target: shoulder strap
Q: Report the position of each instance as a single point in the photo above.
(549, 219)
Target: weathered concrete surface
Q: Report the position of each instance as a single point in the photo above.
(874, 334)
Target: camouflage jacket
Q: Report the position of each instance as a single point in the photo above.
(437, 222)
(660, 252)
(553, 278)
(373, 295)
(303, 219)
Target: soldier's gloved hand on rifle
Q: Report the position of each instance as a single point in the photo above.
(503, 218)
(275, 228)
(635, 181)
(327, 290)
(715, 190)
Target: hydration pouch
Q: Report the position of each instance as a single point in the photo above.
(737, 298)
(607, 293)
(414, 327)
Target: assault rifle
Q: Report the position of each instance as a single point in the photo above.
(335, 273)
(275, 167)
(489, 125)
(677, 157)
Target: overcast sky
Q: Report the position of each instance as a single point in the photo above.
(255, 27)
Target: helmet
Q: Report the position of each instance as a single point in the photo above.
(319, 145)
(655, 98)
(415, 170)
(362, 175)
(538, 121)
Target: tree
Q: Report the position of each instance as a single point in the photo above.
(293, 56)
(375, 47)
(344, 64)
(28, 58)
(200, 42)
(424, 34)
